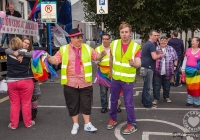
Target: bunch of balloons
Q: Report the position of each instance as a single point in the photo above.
(2, 15)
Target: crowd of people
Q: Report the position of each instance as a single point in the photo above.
(116, 71)
(7, 37)
(159, 60)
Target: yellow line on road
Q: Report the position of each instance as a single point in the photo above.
(4, 99)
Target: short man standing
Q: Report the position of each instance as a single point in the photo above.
(103, 72)
(14, 13)
(76, 76)
(178, 46)
(149, 57)
(124, 59)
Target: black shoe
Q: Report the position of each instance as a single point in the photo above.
(34, 113)
(188, 104)
(104, 110)
(119, 109)
(196, 105)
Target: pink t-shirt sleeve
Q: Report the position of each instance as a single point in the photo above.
(58, 57)
(138, 54)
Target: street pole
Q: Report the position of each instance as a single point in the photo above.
(49, 46)
(102, 26)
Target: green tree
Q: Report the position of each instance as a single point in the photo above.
(144, 15)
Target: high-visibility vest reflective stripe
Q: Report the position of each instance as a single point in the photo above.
(86, 52)
(106, 59)
(121, 69)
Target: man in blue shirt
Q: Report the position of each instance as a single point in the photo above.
(149, 57)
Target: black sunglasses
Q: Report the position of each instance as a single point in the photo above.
(79, 37)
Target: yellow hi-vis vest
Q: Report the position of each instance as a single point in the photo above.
(121, 70)
(106, 59)
(86, 52)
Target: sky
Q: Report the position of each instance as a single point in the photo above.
(73, 1)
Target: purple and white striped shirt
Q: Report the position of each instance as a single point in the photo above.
(169, 57)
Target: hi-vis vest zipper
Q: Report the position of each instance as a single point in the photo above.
(86, 52)
(121, 69)
(106, 59)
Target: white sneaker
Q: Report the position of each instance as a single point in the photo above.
(89, 127)
(75, 129)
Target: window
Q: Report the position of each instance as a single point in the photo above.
(21, 8)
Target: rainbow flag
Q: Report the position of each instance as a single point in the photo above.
(192, 81)
(40, 66)
(7, 6)
(36, 7)
(102, 76)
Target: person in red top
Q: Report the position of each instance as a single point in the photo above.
(77, 91)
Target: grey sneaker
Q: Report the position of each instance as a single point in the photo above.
(168, 100)
(155, 102)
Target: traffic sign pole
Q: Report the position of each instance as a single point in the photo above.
(48, 16)
(102, 8)
(49, 46)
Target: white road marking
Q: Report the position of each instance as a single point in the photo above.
(142, 108)
(137, 87)
(119, 136)
(138, 92)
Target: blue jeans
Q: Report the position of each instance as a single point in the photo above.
(157, 83)
(103, 96)
(4, 37)
(193, 100)
(146, 94)
(177, 72)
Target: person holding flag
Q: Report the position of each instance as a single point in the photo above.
(103, 73)
(76, 76)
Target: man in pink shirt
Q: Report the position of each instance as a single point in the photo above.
(76, 76)
(124, 60)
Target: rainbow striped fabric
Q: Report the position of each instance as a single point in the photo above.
(40, 66)
(192, 81)
(102, 75)
(36, 7)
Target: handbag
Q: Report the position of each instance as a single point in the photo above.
(3, 86)
(183, 77)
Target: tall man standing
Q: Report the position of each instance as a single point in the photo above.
(178, 46)
(76, 76)
(124, 59)
(149, 57)
(103, 72)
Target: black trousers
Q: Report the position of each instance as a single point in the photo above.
(78, 100)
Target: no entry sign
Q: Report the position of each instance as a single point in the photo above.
(48, 12)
